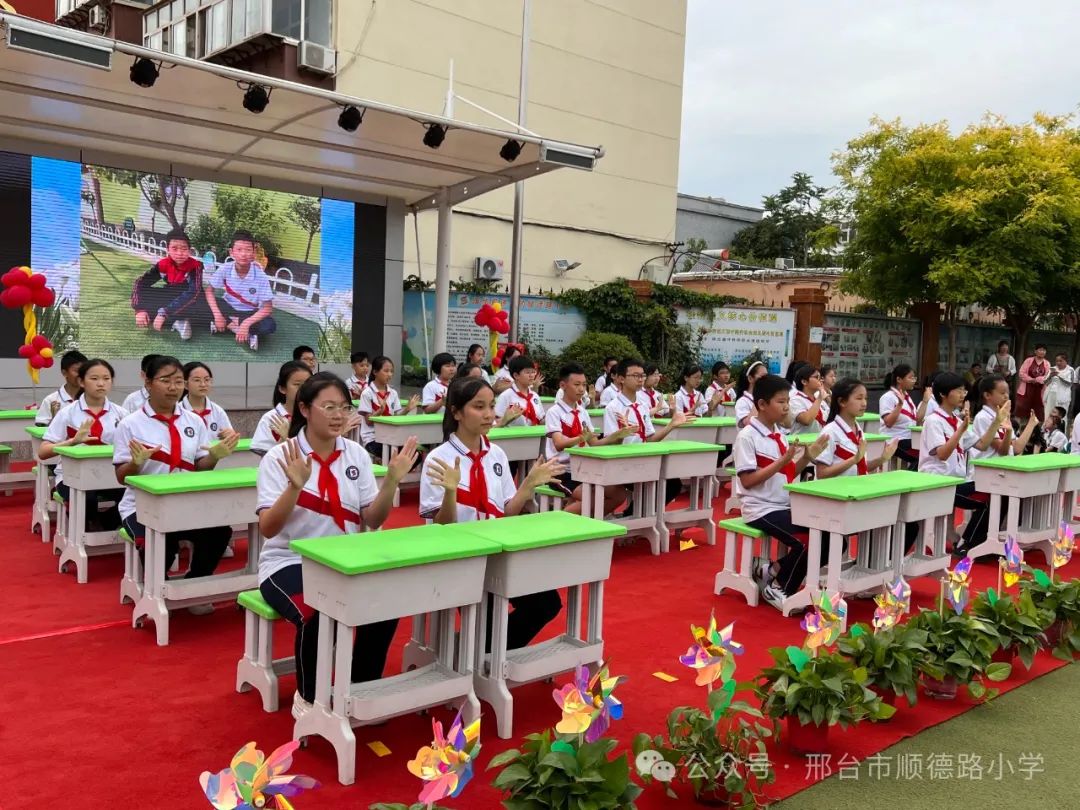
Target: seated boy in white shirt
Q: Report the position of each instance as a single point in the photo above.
(247, 304)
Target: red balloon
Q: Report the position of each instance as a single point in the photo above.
(48, 362)
(13, 278)
(40, 342)
(26, 350)
(43, 297)
(502, 327)
(36, 281)
(17, 297)
(37, 361)
(478, 318)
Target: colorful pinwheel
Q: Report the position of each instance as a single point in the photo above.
(1063, 545)
(957, 585)
(587, 704)
(712, 653)
(1013, 564)
(252, 781)
(447, 764)
(892, 604)
(824, 621)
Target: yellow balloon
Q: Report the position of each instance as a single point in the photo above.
(497, 306)
(46, 352)
(27, 270)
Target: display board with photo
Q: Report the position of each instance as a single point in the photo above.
(868, 348)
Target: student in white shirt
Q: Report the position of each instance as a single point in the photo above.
(568, 425)
(199, 382)
(90, 419)
(503, 380)
(468, 478)
(1057, 393)
(444, 367)
(66, 393)
(1056, 440)
(899, 413)
(247, 304)
(320, 484)
(137, 398)
(611, 390)
(585, 400)
(721, 389)
(807, 409)
(380, 399)
(161, 439)
(605, 379)
(273, 427)
(688, 396)
(744, 401)
(361, 374)
(521, 395)
(649, 397)
(764, 463)
(991, 432)
(475, 356)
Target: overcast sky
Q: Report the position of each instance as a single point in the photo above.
(775, 86)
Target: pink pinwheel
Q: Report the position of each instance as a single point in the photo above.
(892, 604)
(587, 704)
(958, 584)
(711, 653)
(824, 621)
(447, 764)
(1013, 565)
(1063, 545)
(252, 781)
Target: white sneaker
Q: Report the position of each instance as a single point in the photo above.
(761, 573)
(184, 328)
(300, 707)
(200, 610)
(253, 342)
(774, 596)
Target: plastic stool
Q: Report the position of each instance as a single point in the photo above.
(257, 668)
(742, 578)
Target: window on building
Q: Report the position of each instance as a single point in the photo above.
(285, 18)
(239, 14)
(318, 22)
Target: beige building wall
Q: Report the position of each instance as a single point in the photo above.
(605, 72)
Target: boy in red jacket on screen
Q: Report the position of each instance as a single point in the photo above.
(168, 293)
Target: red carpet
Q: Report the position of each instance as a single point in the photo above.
(97, 713)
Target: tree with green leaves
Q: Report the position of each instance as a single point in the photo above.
(307, 213)
(165, 194)
(238, 208)
(797, 224)
(987, 216)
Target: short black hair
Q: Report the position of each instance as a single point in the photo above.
(440, 360)
(651, 368)
(626, 364)
(519, 364)
(569, 369)
(147, 361)
(242, 236)
(769, 386)
(719, 366)
(177, 235)
(947, 382)
(71, 358)
(359, 357)
(300, 351)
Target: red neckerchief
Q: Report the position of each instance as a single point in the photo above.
(177, 274)
(529, 412)
(909, 409)
(573, 430)
(820, 418)
(174, 457)
(652, 398)
(476, 495)
(640, 421)
(384, 403)
(205, 412)
(953, 422)
(328, 487)
(96, 428)
(764, 461)
(439, 396)
(692, 397)
(844, 454)
(230, 291)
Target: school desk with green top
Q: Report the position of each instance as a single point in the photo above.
(184, 501)
(693, 462)
(521, 443)
(393, 431)
(84, 468)
(240, 457)
(44, 506)
(596, 416)
(714, 429)
(869, 422)
(916, 438)
(1041, 492)
(359, 579)
(13, 426)
(875, 442)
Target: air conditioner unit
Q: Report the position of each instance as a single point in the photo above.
(489, 269)
(98, 17)
(656, 273)
(785, 264)
(317, 58)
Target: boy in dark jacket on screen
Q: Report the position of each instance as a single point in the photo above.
(168, 294)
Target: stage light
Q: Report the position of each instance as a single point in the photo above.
(144, 72)
(510, 151)
(350, 119)
(435, 135)
(256, 98)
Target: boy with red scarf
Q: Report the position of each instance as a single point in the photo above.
(168, 293)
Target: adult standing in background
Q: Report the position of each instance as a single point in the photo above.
(1034, 372)
(1058, 390)
(1003, 363)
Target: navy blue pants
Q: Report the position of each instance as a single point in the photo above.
(208, 545)
(110, 518)
(792, 566)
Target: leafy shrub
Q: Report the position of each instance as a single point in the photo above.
(591, 348)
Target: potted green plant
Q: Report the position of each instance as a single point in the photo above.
(812, 694)
(722, 758)
(959, 649)
(1058, 605)
(889, 656)
(1019, 624)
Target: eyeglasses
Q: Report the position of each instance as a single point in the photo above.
(636, 376)
(332, 409)
(170, 382)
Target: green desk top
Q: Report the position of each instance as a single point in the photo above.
(920, 482)
(378, 470)
(541, 530)
(243, 445)
(409, 419)
(810, 438)
(83, 451)
(677, 446)
(855, 487)
(916, 428)
(868, 417)
(1036, 463)
(22, 414)
(207, 481)
(546, 400)
(37, 431)
(394, 548)
(701, 422)
(517, 432)
(595, 411)
(636, 450)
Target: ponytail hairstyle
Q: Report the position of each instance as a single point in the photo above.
(286, 371)
(466, 369)
(768, 387)
(688, 371)
(307, 394)
(794, 368)
(460, 393)
(377, 364)
(843, 390)
(897, 373)
(984, 386)
(744, 378)
(944, 383)
(805, 372)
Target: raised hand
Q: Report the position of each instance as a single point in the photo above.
(280, 426)
(140, 453)
(819, 445)
(353, 422)
(789, 454)
(54, 407)
(544, 472)
(401, 461)
(512, 413)
(861, 454)
(414, 403)
(296, 465)
(890, 450)
(927, 393)
(82, 432)
(537, 383)
(443, 475)
(680, 418)
(224, 447)
(1004, 412)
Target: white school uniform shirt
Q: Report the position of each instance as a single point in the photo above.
(311, 516)
(265, 438)
(1056, 440)
(755, 449)
(135, 400)
(496, 469)
(355, 382)
(649, 400)
(714, 389)
(503, 374)
(607, 395)
(800, 403)
(144, 428)
(841, 447)
(744, 406)
(44, 413)
(212, 414)
(434, 391)
(585, 398)
(636, 415)
(692, 403)
(979, 425)
(560, 419)
(242, 293)
(1076, 436)
(372, 404)
(511, 396)
(69, 419)
(937, 430)
(601, 383)
(908, 417)
(1057, 392)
